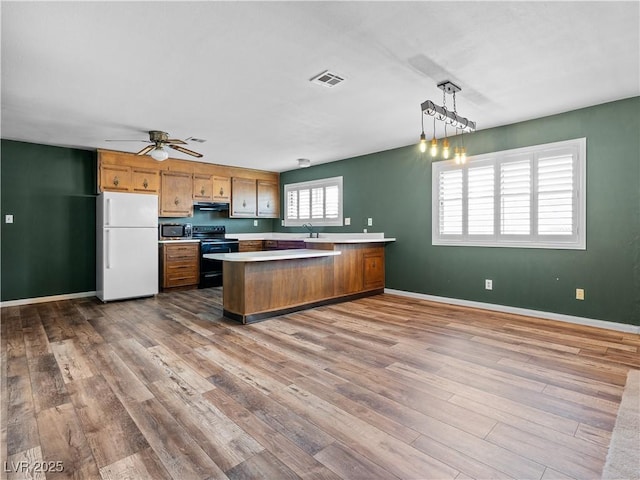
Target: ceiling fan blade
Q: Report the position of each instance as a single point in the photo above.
(146, 150)
(176, 141)
(129, 140)
(186, 150)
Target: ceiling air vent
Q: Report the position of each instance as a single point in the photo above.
(327, 79)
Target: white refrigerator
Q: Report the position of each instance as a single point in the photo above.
(127, 245)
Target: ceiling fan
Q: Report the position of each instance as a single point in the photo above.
(158, 141)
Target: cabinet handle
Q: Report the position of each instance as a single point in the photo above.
(221, 191)
(116, 180)
(268, 205)
(177, 201)
(244, 203)
(145, 184)
(202, 191)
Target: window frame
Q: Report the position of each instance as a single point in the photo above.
(309, 185)
(576, 148)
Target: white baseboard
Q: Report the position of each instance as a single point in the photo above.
(620, 327)
(52, 298)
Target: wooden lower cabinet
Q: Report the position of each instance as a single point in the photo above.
(373, 269)
(359, 267)
(179, 264)
(250, 246)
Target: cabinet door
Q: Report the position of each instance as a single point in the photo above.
(202, 187)
(374, 269)
(243, 197)
(145, 180)
(115, 178)
(268, 199)
(176, 194)
(221, 189)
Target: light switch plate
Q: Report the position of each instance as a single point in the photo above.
(8, 219)
(255, 223)
(347, 221)
(369, 222)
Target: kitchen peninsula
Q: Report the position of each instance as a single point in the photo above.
(259, 285)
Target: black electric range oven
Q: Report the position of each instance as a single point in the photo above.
(212, 240)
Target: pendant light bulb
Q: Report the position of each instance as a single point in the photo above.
(463, 155)
(456, 155)
(445, 148)
(423, 142)
(434, 147)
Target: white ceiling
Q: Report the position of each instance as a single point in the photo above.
(237, 73)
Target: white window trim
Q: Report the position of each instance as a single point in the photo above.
(576, 241)
(316, 222)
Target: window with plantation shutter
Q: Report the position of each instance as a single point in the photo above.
(318, 202)
(530, 197)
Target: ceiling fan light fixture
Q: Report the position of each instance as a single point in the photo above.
(159, 153)
(304, 162)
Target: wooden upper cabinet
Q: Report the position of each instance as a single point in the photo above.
(243, 197)
(145, 180)
(202, 187)
(115, 178)
(176, 199)
(268, 199)
(221, 189)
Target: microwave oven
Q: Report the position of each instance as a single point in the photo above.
(174, 231)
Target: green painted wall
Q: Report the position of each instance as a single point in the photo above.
(394, 188)
(50, 247)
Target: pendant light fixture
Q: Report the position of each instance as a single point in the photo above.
(447, 117)
(434, 143)
(423, 138)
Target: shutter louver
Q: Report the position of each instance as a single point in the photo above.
(292, 204)
(480, 202)
(304, 211)
(555, 196)
(332, 201)
(515, 198)
(450, 200)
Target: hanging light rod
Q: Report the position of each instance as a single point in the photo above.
(448, 116)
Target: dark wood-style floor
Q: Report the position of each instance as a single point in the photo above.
(383, 387)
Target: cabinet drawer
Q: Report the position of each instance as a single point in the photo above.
(178, 280)
(270, 244)
(175, 252)
(250, 245)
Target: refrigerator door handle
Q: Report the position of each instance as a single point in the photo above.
(108, 212)
(107, 250)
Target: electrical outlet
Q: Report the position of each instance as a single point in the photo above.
(488, 284)
(282, 223)
(369, 222)
(579, 293)
(364, 230)
(8, 219)
(255, 223)
(347, 221)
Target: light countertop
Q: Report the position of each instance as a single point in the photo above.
(323, 237)
(271, 255)
(186, 240)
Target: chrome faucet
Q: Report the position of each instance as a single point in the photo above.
(308, 226)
